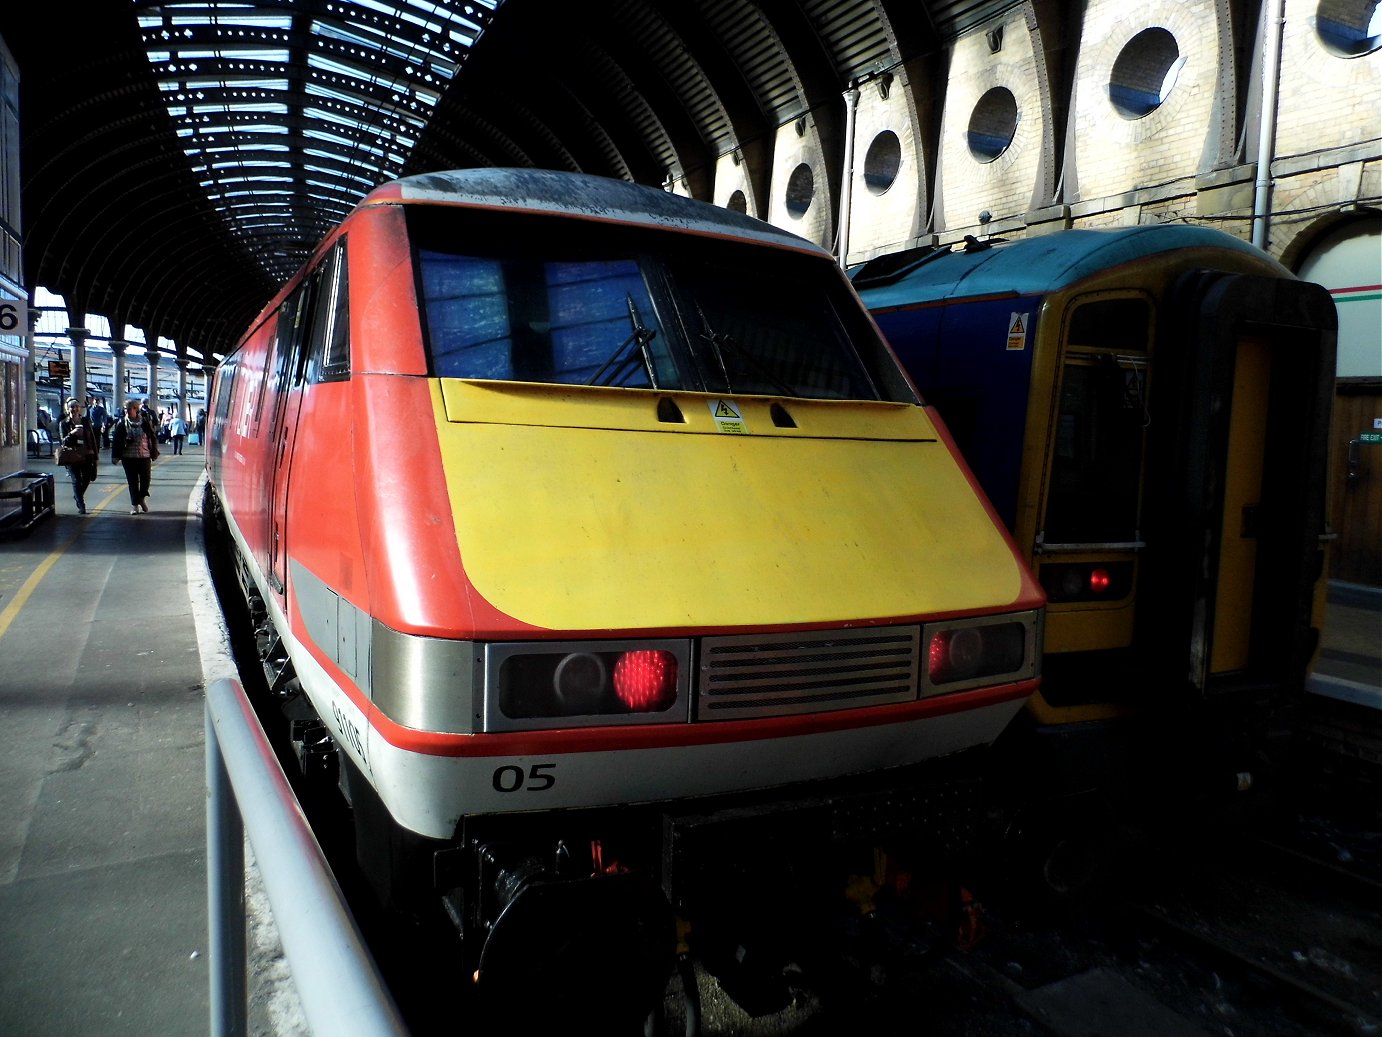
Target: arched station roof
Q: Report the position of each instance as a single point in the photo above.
(181, 160)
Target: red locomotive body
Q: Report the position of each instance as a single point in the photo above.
(583, 522)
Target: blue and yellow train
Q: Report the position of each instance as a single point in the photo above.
(1147, 409)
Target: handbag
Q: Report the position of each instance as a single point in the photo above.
(75, 450)
(73, 456)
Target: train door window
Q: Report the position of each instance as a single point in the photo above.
(291, 319)
(1117, 323)
(225, 387)
(328, 356)
(263, 357)
(284, 348)
(1094, 480)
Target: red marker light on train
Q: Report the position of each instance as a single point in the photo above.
(645, 680)
(1099, 580)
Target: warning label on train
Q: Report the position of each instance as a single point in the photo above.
(727, 417)
(1017, 331)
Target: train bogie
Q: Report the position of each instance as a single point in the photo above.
(588, 518)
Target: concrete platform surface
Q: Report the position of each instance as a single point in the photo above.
(102, 769)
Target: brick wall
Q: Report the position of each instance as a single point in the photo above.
(998, 66)
(887, 218)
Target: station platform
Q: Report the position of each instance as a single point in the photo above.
(1350, 663)
(103, 903)
(104, 654)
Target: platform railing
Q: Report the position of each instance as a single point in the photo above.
(338, 983)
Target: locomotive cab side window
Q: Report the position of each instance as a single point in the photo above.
(555, 300)
(328, 353)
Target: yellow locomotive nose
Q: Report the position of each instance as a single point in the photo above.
(604, 516)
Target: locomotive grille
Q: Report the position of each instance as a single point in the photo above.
(769, 675)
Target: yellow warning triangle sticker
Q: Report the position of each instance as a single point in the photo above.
(1017, 332)
(727, 417)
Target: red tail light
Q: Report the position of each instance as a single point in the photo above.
(1086, 581)
(645, 680)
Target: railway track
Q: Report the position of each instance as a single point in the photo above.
(1299, 930)
(1231, 932)
(1244, 930)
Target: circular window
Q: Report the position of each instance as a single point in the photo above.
(737, 203)
(992, 124)
(1145, 73)
(1349, 28)
(801, 188)
(881, 163)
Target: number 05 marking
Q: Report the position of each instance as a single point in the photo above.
(539, 778)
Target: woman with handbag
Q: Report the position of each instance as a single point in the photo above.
(77, 451)
(134, 443)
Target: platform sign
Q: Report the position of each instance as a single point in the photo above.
(14, 316)
(59, 369)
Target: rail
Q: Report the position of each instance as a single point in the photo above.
(337, 981)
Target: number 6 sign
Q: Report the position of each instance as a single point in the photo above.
(14, 316)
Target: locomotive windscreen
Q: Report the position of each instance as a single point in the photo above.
(545, 299)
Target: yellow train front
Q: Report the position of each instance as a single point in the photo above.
(600, 545)
(1148, 409)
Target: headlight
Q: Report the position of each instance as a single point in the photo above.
(990, 650)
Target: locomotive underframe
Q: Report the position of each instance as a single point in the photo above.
(599, 903)
(596, 906)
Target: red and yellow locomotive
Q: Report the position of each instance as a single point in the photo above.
(598, 538)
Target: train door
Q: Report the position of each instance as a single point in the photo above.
(1236, 533)
(309, 326)
(1089, 535)
(285, 376)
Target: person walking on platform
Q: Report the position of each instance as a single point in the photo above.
(177, 432)
(134, 443)
(77, 452)
(100, 420)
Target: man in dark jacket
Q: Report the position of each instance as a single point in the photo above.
(100, 420)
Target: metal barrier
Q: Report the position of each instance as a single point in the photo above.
(339, 986)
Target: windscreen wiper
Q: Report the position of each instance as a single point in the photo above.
(641, 335)
(720, 339)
